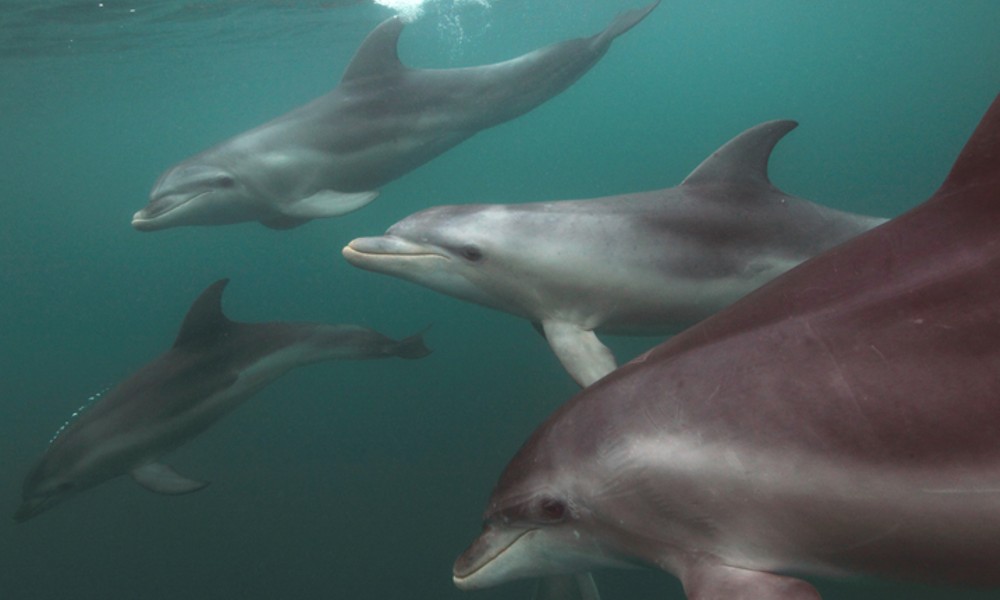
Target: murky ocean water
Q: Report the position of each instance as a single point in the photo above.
(366, 479)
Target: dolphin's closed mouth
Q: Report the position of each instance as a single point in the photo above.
(33, 507)
(161, 206)
(462, 572)
(387, 246)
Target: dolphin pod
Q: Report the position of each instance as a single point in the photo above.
(382, 120)
(842, 419)
(214, 365)
(642, 263)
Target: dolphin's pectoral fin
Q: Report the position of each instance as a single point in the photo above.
(579, 350)
(708, 582)
(163, 479)
(580, 586)
(326, 203)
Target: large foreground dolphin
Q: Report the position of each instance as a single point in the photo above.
(330, 156)
(844, 419)
(214, 365)
(633, 264)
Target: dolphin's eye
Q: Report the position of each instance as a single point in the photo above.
(471, 253)
(225, 181)
(551, 509)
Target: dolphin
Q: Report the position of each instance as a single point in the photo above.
(643, 263)
(842, 420)
(383, 120)
(214, 365)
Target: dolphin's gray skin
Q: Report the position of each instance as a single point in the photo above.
(383, 120)
(633, 264)
(843, 419)
(214, 365)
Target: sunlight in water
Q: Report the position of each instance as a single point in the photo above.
(412, 9)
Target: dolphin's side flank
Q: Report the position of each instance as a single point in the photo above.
(843, 419)
(645, 263)
(213, 366)
(382, 120)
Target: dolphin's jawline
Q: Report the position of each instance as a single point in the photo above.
(401, 255)
(490, 560)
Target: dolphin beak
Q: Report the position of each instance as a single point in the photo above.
(141, 223)
(32, 508)
(365, 252)
(470, 572)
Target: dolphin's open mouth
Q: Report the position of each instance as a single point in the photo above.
(487, 548)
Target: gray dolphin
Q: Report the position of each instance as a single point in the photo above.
(383, 120)
(632, 264)
(214, 365)
(843, 419)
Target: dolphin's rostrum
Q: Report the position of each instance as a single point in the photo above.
(645, 263)
(383, 120)
(214, 365)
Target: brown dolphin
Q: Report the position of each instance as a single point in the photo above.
(843, 419)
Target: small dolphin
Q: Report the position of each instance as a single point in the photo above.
(383, 120)
(214, 365)
(642, 263)
(843, 419)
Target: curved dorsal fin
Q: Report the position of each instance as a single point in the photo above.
(204, 319)
(980, 157)
(378, 54)
(742, 159)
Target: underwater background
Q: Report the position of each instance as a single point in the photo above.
(365, 480)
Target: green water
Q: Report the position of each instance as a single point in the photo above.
(366, 479)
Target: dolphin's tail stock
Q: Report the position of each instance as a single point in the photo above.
(412, 347)
(622, 23)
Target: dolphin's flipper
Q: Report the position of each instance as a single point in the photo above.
(581, 353)
(708, 582)
(327, 203)
(580, 586)
(163, 479)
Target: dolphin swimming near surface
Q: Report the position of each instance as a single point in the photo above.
(214, 365)
(843, 419)
(642, 263)
(383, 120)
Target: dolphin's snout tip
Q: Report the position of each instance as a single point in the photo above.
(26, 511)
(140, 222)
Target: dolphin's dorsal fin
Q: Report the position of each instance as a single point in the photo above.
(742, 159)
(979, 160)
(378, 54)
(204, 319)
